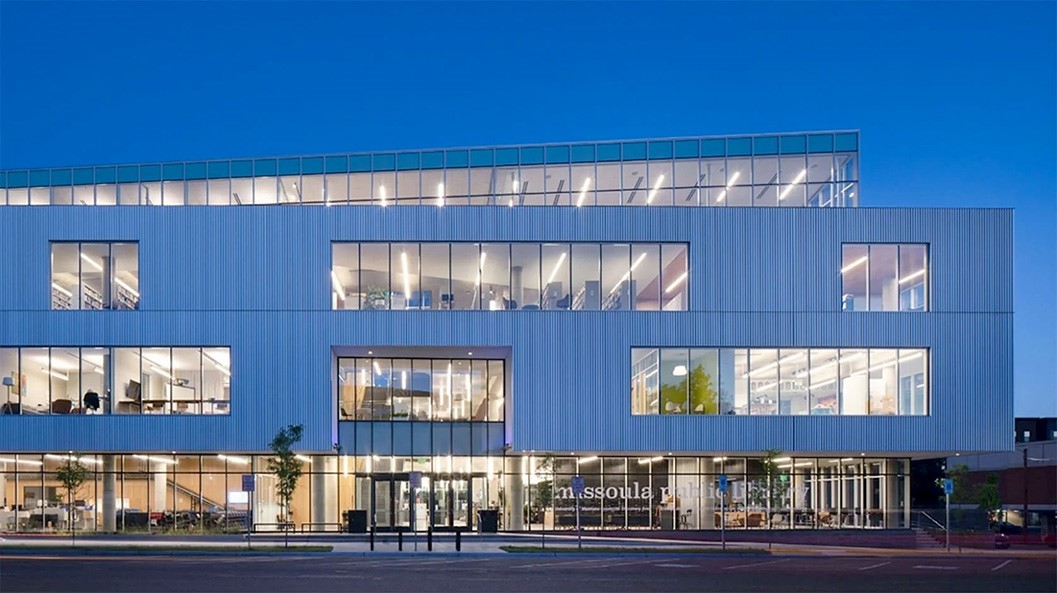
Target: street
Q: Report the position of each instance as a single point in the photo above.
(515, 573)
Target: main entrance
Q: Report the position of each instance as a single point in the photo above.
(443, 502)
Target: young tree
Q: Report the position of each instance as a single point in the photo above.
(286, 467)
(989, 499)
(72, 475)
(776, 487)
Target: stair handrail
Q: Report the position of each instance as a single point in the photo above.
(941, 526)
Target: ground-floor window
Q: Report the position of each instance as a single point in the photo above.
(204, 493)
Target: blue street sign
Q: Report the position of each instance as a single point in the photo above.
(578, 485)
(723, 483)
(415, 478)
(247, 482)
(948, 486)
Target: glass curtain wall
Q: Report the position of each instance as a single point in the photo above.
(95, 276)
(437, 389)
(786, 381)
(70, 380)
(884, 277)
(166, 493)
(816, 170)
(510, 276)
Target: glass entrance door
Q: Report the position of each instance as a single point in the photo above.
(391, 501)
(451, 503)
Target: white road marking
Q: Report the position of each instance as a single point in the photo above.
(756, 564)
(674, 565)
(999, 567)
(931, 567)
(626, 563)
(872, 566)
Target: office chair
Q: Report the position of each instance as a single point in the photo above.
(61, 406)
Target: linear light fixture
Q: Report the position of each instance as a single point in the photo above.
(79, 459)
(477, 281)
(583, 192)
(771, 365)
(55, 374)
(831, 364)
(799, 177)
(98, 266)
(161, 371)
(854, 264)
(628, 273)
(304, 458)
(651, 460)
(557, 266)
(122, 284)
(338, 288)
(910, 277)
(234, 459)
(61, 289)
(407, 275)
(381, 194)
(164, 460)
(24, 461)
(377, 369)
(220, 367)
(719, 459)
(676, 282)
(656, 188)
(440, 194)
(730, 182)
(588, 459)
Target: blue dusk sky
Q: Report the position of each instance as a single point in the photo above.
(956, 102)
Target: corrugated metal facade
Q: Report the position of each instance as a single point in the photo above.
(257, 279)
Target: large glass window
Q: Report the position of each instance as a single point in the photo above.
(95, 276)
(787, 381)
(884, 277)
(421, 389)
(93, 380)
(510, 276)
(740, 171)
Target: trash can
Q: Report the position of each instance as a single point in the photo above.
(356, 521)
(488, 521)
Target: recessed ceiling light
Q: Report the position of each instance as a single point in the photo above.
(469, 354)
(370, 352)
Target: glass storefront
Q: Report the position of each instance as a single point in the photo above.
(203, 493)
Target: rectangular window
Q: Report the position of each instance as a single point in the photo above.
(95, 276)
(784, 382)
(884, 277)
(510, 276)
(127, 380)
(421, 389)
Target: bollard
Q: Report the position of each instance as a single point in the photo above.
(429, 540)
(372, 540)
(543, 540)
(458, 540)
(400, 541)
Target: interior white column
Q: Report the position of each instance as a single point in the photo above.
(709, 502)
(515, 494)
(109, 493)
(158, 498)
(324, 489)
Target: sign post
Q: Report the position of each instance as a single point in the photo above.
(723, 510)
(578, 490)
(248, 486)
(948, 489)
(415, 478)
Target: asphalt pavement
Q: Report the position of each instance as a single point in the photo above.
(473, 573)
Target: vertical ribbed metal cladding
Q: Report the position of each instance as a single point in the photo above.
(256, 279)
